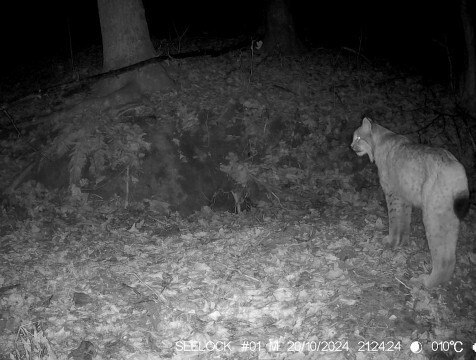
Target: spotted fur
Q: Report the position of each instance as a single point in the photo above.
(426, 177)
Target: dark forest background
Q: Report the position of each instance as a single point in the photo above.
(153, 193)
(415, 33)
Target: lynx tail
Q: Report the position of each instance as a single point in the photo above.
(461, 205)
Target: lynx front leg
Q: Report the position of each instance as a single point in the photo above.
(442, 234)
(399, 218)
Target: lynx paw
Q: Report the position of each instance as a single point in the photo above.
(420, 281)
(425, 281)
(389, 242)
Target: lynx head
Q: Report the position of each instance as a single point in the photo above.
(362, 142)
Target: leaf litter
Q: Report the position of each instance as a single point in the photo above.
(305, 277)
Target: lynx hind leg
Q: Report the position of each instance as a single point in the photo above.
(442, 235)
(399, 218)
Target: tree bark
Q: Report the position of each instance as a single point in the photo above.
(125, 36)
(468, 83)
(280, 31)
(126, 40)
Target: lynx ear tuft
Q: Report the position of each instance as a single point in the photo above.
(367, 123)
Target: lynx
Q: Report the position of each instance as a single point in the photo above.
(426, 177)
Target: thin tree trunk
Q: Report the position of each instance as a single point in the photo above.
(469, 75)
(280, 31)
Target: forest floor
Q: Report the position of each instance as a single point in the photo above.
(302, 275)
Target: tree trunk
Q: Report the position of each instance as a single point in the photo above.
(280, 32)
(468, 83)
(125, 36)
(126, 40)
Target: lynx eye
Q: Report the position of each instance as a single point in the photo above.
(357, 138)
